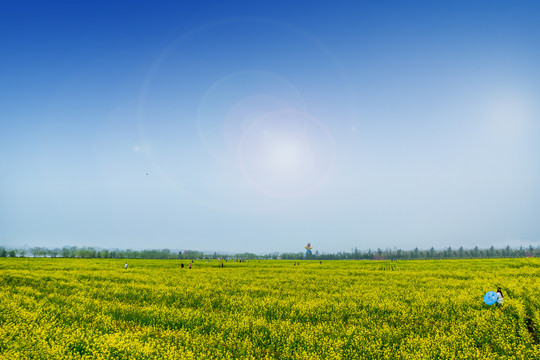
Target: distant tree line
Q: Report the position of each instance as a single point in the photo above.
(355, 254)
(418, 254)
(94, 253)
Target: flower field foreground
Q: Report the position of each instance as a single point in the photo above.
(96, 309)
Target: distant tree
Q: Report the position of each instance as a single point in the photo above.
(292, 256)
(12, 253)
(3, 252)
(448, 253)
(37, 251)
(90, 253)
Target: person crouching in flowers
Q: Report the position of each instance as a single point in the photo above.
(499, 297)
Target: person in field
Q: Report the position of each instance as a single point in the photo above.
(189, 266)
(125, 266)
(499, 297)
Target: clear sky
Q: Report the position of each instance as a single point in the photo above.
(263, 125)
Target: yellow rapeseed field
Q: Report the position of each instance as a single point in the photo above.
(96, 309)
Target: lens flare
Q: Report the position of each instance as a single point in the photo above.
(286, 154)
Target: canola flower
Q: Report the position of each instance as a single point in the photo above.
(96, 309)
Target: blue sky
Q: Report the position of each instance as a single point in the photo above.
(261, 126)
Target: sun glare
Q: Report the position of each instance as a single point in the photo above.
(287, 158)
(286, 153)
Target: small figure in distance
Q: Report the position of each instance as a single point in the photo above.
(189, 266)
(294, 263)
(222, 264)
(320, 262)
(182, 265)
(125, 266)
(499, 297)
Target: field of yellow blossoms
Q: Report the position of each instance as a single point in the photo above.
(267, 309)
